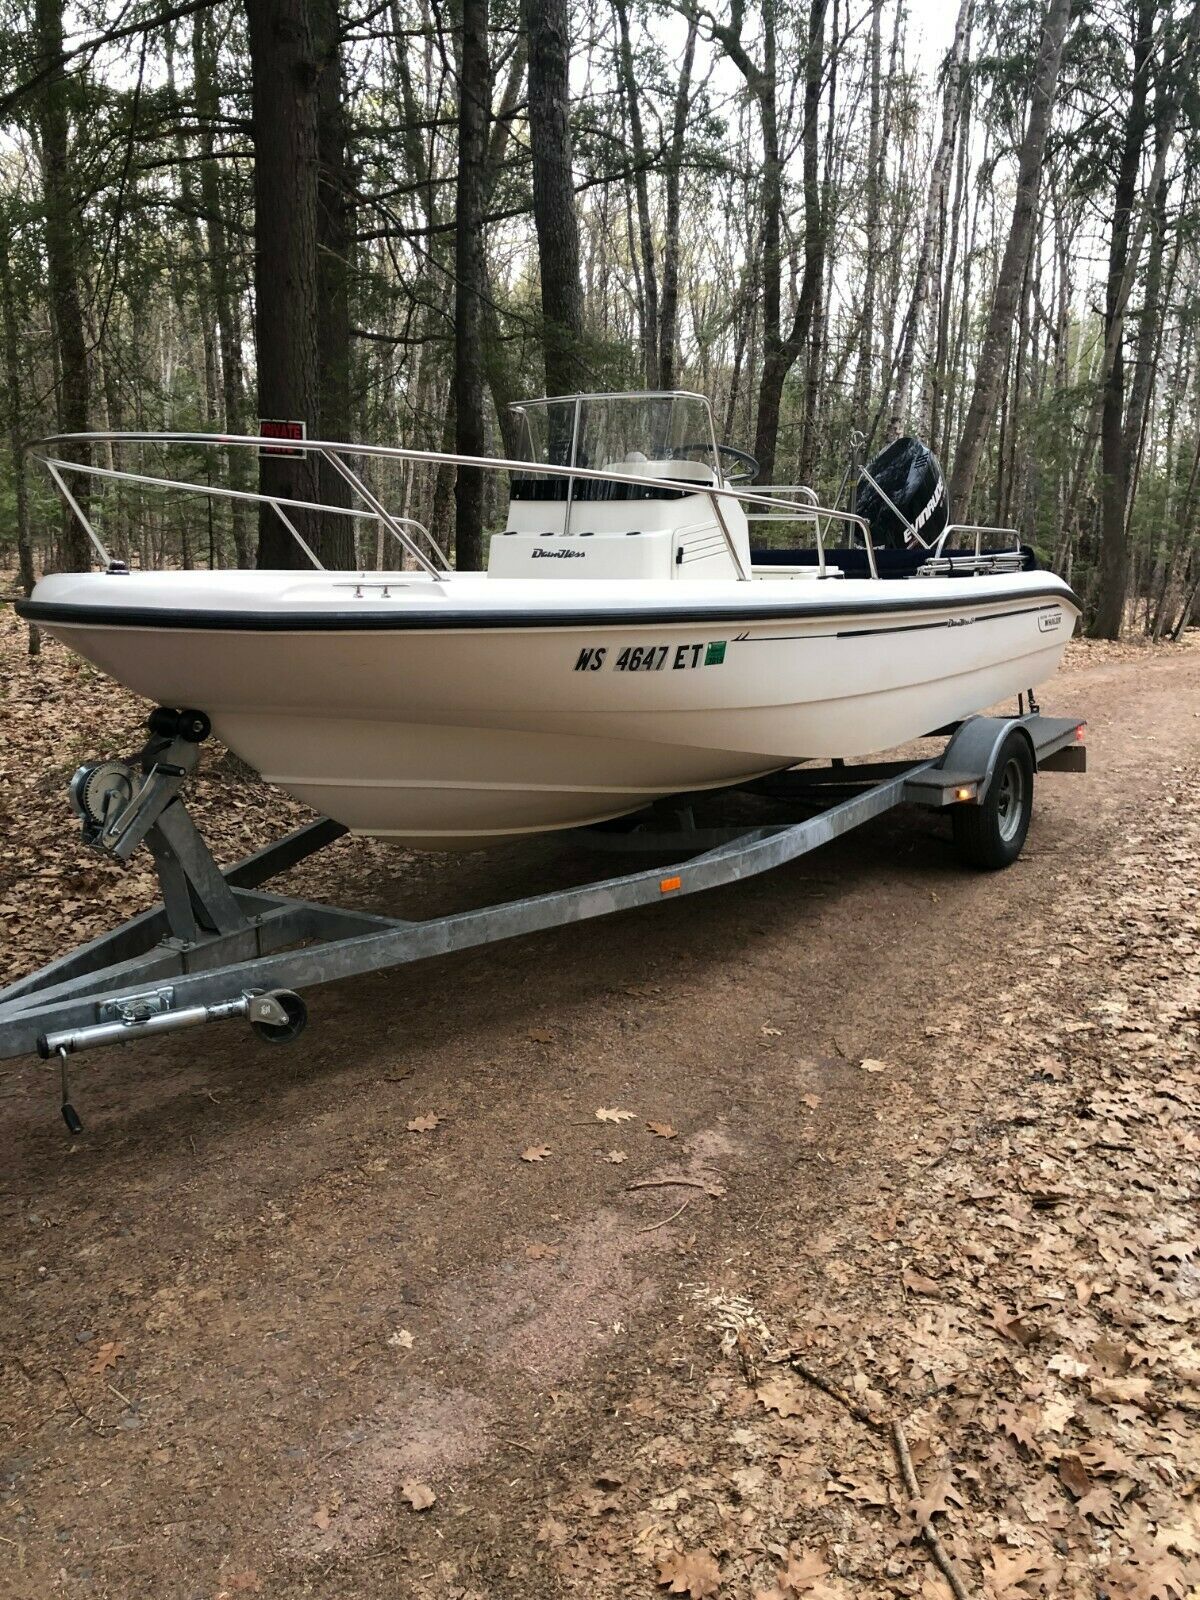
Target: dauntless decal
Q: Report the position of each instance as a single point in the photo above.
(558, 555)
(653, 657)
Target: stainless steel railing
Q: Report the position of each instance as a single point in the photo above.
(808, 510)
(48, 453)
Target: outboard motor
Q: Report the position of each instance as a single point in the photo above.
(910, 477)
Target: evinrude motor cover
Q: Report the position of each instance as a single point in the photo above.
(910, 476)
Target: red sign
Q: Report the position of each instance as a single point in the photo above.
(274, 428)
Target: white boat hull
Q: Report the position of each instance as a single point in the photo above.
(455, 714)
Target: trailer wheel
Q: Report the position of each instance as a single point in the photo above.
(992, 835)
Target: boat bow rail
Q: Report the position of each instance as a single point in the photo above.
(219, 946)
(53, 453)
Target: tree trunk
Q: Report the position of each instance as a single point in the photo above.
(335, 243)
(63, 266)
(993, 357)
(474, 105)
(284, 79)
(15, 387)
(935, 202)
(221, 277)
(866, 327)
(547, 24)
(668, 332)
(1113, 580)
(1149, 341)
(941, 386)
(779, 352)
(642, 195)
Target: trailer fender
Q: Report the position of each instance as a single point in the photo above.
(975, 747)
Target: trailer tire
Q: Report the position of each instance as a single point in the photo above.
(992, 834)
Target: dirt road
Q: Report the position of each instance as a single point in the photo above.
(937, 1131)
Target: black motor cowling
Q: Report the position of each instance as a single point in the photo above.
(910, 476)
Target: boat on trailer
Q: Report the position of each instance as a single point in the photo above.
(625, 643)
(675, 665)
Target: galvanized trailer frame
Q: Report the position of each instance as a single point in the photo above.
(220, 946)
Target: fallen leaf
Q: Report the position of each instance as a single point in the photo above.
(1111, 1354)
(107, 1355)
(812, 1101)
(607, 1114)
(1074, 1476)
(1100, 1504)
(425, 1124)
(772, 1033)
(695, 1574)
(1021, 1426)
(1104, 1460)
(801, 1572)
(1011, 1571)
(777, 1394)
(1163, 1579)
(1013, 1326)
(536, 1152)
(1121, 1391)
(1182, 1537)
(1177, 1250)
(1055, 1415)
(537, 1251)
(941, 1496)
(401, 1339)
(419, 1495)
(863, 1490)
(873, 1066)
(662, 1130)
(540, 1036)
(615, 1157)
(918, 1284)
(321, 1518)
(1067, 1365)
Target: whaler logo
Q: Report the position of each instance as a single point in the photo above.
(1049, 620)
(558, 555)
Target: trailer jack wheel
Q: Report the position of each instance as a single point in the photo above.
(278, 1017)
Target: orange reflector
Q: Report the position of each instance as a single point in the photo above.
(963, 794)
(1079, 733)
(666, 885)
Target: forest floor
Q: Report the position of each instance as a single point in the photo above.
(304, 1322)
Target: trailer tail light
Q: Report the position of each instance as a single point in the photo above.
(1080, 733)
(966, 792)
(669, 885)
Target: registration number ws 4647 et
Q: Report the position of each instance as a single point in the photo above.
(651, 657)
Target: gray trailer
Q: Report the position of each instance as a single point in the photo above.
(221, 946)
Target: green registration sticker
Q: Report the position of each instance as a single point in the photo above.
(715, 654)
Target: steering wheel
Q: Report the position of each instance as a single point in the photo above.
(740, 459)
